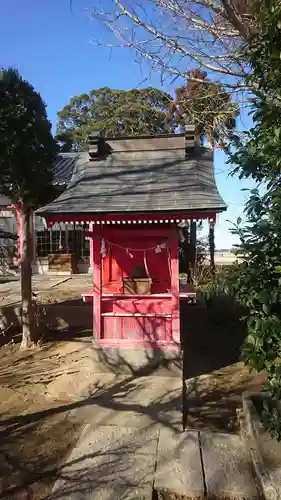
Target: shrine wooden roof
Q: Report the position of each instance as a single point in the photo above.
(63, 172)
(64, 168)
(140, 175)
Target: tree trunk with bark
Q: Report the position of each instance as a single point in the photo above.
(209, 142)
(26, 277)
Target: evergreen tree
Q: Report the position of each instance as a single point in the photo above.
(27, 151)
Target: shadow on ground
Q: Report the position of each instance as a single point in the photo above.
(34, 446)
(212, 337)
(34, 443)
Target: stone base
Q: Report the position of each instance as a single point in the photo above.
(139, 360)
(227, 467)
(265, 451)
(179, 471)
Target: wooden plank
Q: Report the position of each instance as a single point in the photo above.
(97, 282)
(142, 315)
(90, 293)
(152, 306)
(135, 231)
(133, 329)
(157, 143)
(135, 296)
(175, 288)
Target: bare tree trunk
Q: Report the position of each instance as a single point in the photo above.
(209, 142)
(26, 276)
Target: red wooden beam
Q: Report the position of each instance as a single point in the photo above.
(149, 217)
(132, 231)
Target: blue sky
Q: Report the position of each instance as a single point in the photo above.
(50, 44)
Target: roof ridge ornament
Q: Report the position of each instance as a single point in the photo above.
(95, 141)
(190, 138)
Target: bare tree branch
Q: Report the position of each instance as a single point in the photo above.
(178, 35)
(234, 19)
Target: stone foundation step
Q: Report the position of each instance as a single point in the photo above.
(265, 450)
(179, 472)
(201, 464)
(162, 361)
(227, 467)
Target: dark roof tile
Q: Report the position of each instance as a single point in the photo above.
(140, 184)
(64, 168)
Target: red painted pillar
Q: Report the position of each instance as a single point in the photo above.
(97, 284)
(91, 227)
(175, 290)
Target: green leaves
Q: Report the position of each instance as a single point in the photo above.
(117, 112)
(258, 282)
(27, 145)
(204, 104)
(277, 133)
(265, 309)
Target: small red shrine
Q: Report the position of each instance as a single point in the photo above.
(134, 192)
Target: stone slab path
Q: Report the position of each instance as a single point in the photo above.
(110, 463)
(178, 464)
(129, 463)
(142, 402)
(132, 444)
(227, 467)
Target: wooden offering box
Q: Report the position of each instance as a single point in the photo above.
(138, 286)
